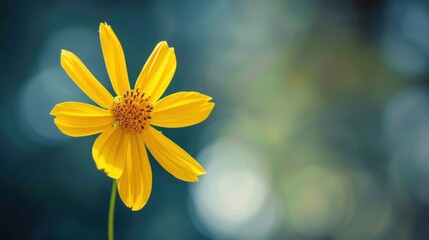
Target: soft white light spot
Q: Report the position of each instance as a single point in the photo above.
(232, 199)
(37, 99)
(51, 85)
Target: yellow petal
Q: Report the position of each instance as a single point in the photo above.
(114, 59)
(181, 109)
(85, 80)
(81, 119)
(171, 157)
(110, 151)
(135, 184)
(157, 72)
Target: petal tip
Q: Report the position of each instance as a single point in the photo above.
(162, 44)
(64, 52)
(103, 28)
(103, 24)
(55, 110)
(136, 208)
(113, 174)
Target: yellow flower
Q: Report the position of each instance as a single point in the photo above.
(125, 121)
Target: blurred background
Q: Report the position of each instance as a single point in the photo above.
(320, 130)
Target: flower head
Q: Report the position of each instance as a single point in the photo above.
(126, 121)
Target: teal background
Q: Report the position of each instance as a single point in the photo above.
(320, 130)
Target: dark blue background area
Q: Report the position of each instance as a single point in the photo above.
(312, 89)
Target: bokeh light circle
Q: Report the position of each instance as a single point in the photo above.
(233, 199)
(50, 84)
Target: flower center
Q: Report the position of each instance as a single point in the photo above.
(132, 111)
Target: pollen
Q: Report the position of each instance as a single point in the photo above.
(132, 111)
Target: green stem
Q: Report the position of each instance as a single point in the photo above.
(111, 212)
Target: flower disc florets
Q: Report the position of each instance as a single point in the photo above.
(132, 111)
